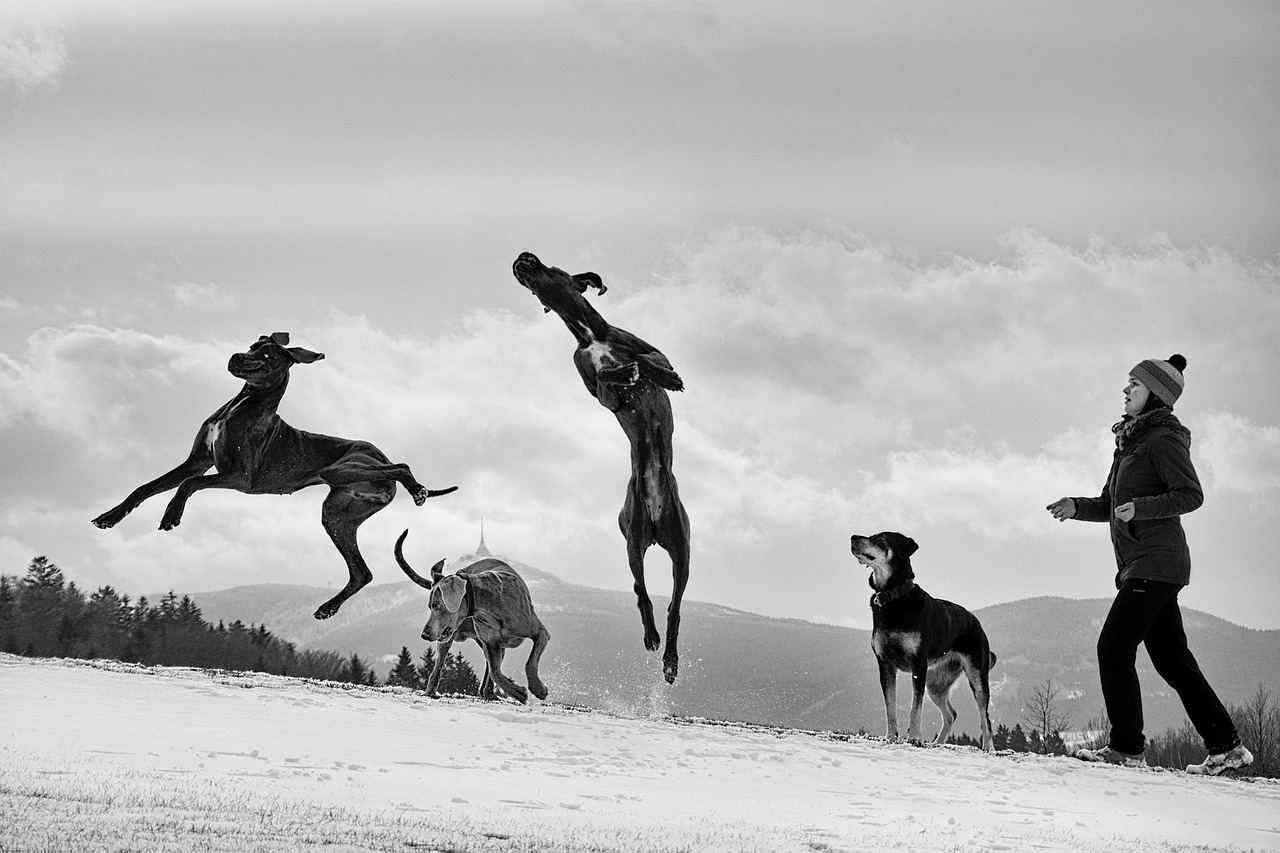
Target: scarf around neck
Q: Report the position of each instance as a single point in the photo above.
(1127, 426)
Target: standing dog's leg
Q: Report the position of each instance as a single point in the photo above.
(433, 680)
(919, 682)
(536, 687)
(493, 653)
(344, 510)
(941, 695)
(487, 691)
(889, 687)
(979, 675)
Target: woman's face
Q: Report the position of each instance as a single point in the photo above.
(1135, 397)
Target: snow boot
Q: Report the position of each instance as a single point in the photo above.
(1107, 755)
(1221, 762)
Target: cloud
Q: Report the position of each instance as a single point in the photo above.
(192, 296)
(901, 146)
(644, 30)
(1240, 456)
(87, 385)
(995, 495)
(33, 50)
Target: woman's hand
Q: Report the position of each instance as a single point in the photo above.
(1124, 512)
(1062, 509)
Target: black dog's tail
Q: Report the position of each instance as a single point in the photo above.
(435, 493)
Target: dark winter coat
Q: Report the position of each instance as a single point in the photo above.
(1152, 468)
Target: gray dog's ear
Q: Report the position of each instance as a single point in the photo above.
(437, 572)
(452, 590)
(907, 546)
(585, 279)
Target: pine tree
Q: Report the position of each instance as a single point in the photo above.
(1000, 737)
(1018, 739)
(41, 574)
(458, 678)
(41, 626)
(106, 617)
(1035, 743)
(356, 670)
(8, 615)
(404, 673)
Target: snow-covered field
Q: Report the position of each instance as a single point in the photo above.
(108, 756)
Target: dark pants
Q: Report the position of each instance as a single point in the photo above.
(1147, 612)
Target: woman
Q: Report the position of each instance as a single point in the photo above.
(1152, 482)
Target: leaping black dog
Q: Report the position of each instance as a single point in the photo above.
(630, 378)
(932, 639)
(254, 451)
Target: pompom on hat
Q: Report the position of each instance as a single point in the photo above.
(1163, 378)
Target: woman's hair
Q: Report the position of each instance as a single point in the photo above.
(1153, 403)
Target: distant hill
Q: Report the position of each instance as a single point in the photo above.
(743, 666)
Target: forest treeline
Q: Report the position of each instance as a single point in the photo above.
(44, 615)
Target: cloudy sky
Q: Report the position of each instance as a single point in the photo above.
(902, 255)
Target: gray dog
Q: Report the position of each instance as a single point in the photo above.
(489, 603)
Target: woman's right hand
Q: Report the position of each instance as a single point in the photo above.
(1062, 509)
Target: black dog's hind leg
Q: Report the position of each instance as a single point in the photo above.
(342, 513)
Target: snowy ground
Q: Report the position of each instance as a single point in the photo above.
(107, 756)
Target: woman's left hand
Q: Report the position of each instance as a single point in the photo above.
(1124, 512)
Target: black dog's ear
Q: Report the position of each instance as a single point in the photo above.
(298, 354)
(583, 279)
(303, 356)
(902, 546)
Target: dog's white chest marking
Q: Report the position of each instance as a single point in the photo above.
(212, 436)
(896, 645)
(601, 355)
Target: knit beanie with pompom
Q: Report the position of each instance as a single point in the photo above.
(1163, 378)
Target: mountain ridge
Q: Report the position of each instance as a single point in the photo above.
(753, 668)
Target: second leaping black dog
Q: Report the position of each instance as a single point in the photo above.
(932, 639)
(630, 378)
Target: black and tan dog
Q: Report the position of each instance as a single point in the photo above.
(630, 378)
(932, 639)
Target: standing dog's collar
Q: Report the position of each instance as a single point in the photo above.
(469, 600)
(880, 599)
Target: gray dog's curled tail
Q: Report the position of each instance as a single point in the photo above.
(408, 570)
